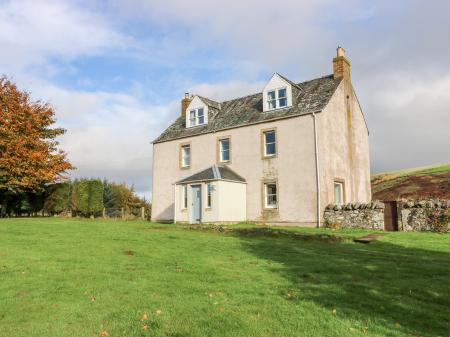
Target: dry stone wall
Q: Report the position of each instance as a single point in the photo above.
(355, 215)
(424, 215)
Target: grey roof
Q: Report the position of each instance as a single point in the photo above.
(215, 172)
(308, 97)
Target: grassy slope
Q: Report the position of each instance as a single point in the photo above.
(431, 181)
(75, 278)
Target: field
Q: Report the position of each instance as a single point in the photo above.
(97, 278)
(416, 183)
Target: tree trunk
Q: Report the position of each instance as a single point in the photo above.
(4, 206)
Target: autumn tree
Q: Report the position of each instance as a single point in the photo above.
(29, 154)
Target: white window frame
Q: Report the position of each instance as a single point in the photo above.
(268, 143)
(209, 189)
(184, 156)
(342, 194)
(221, 150)
(277, 99)
(266, 195)
(194, 117)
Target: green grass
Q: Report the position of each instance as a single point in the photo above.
(81, 277)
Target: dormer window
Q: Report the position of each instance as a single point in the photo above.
(197, 117)
(277, 98)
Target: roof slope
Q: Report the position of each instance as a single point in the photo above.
(313, 97)
(215, 172)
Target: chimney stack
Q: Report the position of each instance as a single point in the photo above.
(341, 65)
(185, 103)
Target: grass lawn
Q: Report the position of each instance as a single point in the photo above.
(112, 278)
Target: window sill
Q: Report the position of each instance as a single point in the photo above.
(195, 126)
(185, 167)
(269, 156)
(276, 109)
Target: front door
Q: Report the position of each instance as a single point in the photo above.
(196, 211)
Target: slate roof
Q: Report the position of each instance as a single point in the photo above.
(310, 96)
(215, 172)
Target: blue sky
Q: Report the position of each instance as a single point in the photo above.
(116, 70)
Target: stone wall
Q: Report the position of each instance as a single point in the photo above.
(355, 215)
(424, 215)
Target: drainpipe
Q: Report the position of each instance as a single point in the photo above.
(175, 204)
(316, 150)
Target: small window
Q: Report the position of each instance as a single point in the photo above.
(224, 150)
(185, 196)
(270, 148)
(209, 195)
(277, 99)
(196, 117)
(185, 155)
(338, 192)
(270, 197)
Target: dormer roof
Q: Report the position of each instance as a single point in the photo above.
(310, 96)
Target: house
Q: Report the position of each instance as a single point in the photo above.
(278, 156)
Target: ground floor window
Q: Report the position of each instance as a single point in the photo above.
(339, 192)
(270, 195)
(185, 196)
(208, 195)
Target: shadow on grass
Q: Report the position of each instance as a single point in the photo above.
(402, 289)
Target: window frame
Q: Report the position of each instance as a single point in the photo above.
(181, 155)
(266, 205)
(340, 182)
(277, 98)
(219, 149)
(209, 190)
(194, 116)
(184, 197)
(264, 154)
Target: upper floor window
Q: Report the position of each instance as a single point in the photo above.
(270, 143)
(338, 192)
(224, 150)
(270, 195)
(197, 117)
(185, 155)
(277, 98)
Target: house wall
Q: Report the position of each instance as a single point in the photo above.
(344, 148)
(293, 169)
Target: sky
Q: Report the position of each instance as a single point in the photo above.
(115, 71)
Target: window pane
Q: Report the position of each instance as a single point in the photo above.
(270, 149)
(270, 95)
(270, 136)
(201, 120)
(185, 196)
(271, 194)
(282, 102)
(192, 121)
(192, 114)
(224, 144)
(225, 155)
(282, 93)
(186, 155)
(200, 112)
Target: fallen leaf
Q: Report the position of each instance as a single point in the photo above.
(145, 327)
(104, 333)
(158, 312)
(210, 295)
(93, 299)
(333, 312)
(144, 317)
(397, 324)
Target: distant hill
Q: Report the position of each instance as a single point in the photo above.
(420, 182)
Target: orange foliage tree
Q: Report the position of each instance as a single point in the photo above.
(29, 154)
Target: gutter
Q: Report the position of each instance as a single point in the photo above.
(316, 152)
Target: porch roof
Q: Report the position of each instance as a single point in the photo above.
(215, 172)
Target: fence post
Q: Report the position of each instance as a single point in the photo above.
(143, 213)
(104, 212)
(123, 213)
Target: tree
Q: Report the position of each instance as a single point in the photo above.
(87, 197)
(29, 154)
(58, 198)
